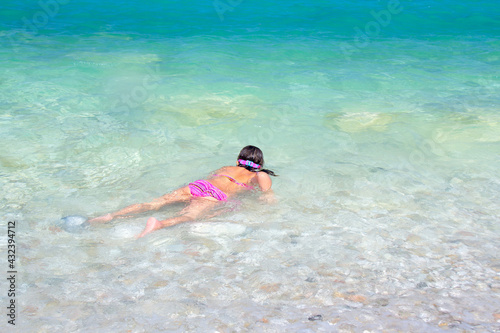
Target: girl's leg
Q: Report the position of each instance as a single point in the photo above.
(181, 194)
(197, 208)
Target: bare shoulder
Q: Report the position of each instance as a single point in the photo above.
(264, 181)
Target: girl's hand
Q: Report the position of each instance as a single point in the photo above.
(268, 197)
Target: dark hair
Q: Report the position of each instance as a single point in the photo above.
(253, 154)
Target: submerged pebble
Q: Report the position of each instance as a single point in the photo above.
(421, 285)
(315, 317)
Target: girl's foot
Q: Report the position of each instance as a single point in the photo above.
(102, 219)
(152, 225)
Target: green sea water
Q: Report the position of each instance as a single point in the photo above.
(380, 117)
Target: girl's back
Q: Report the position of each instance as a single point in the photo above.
(232, 179)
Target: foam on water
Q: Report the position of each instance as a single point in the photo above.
(388, 187)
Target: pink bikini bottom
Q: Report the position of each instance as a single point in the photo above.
(202, 188)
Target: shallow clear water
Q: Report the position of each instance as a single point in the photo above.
(386, 145)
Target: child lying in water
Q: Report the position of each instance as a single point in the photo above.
(204, 195)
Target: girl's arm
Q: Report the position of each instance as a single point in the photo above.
(265, 184)
(264, 181)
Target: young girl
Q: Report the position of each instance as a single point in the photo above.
(204, 195)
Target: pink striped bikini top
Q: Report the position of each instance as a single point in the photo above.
(236, 182)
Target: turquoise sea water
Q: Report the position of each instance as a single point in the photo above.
(380, 117)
